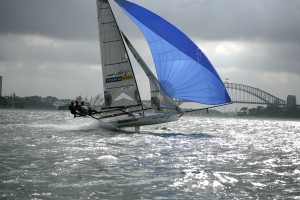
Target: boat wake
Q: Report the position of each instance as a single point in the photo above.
(78, 124)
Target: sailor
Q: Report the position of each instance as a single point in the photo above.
(84, 109)
(80, 109)
(76, 109)
(72, 108)
(77, 106)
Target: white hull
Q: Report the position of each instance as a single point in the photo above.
(142, 120)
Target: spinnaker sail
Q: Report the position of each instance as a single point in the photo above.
(183, 69)
(160, 101)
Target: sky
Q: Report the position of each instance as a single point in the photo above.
(51, 47)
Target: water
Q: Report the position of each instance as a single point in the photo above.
(50, 155)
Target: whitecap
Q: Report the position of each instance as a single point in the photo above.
(258, 184)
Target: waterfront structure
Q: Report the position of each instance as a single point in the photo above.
(291, 101)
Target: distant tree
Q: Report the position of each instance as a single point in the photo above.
(244, 109)
(51, 99)
(3, 102)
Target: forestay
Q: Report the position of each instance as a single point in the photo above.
(182, 68)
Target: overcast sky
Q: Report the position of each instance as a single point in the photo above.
(51, 47)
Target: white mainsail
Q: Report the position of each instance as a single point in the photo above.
(120, 88)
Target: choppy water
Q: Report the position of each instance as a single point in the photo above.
(49, 155)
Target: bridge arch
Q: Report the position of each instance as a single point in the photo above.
(240, 93)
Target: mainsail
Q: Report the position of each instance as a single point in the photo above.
(182, 68)
(120, 88)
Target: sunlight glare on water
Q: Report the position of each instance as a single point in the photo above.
(50, 155)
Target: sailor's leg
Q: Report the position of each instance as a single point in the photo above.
(137, 129)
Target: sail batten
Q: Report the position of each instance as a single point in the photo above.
(180, 65)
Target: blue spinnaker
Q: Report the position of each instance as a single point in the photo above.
(182, 68)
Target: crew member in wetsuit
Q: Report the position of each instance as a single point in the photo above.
(72, 109)
(77, 106)
(84, 109)
(79, 110)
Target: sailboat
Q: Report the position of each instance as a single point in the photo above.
(183, 71)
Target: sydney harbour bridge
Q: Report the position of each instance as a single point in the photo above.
(245, 94)
(240, 93)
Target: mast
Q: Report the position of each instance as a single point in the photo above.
(120, 87)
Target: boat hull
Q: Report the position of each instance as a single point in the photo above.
(142, 120)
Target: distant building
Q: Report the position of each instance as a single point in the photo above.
(0, 86)
(290, 101)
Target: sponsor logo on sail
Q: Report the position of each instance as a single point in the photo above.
(127, 77)
(118, 78)
(114, 79)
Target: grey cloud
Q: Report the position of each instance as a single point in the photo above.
(16, 48)
(233, 19)
(210, 20)
(67, 19)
